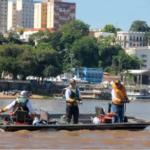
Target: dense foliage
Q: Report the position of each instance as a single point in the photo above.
(57, 52)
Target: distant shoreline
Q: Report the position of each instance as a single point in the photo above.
(34, 96)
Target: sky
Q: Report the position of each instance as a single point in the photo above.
(120, 13)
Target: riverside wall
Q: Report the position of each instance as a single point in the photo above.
(29, 86)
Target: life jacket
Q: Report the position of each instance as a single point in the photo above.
(20, 105)
(107, 118)
(73, 95)
(120, 94)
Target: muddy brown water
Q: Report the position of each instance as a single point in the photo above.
(79, 139)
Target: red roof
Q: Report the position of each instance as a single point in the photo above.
(52, 30)
(109, 78)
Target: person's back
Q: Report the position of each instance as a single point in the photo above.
(20, 104)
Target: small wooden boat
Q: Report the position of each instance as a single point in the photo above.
(55, 122)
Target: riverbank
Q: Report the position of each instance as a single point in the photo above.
(34, 96)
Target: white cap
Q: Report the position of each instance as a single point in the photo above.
(24, 94)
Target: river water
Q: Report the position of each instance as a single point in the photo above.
(82, 139)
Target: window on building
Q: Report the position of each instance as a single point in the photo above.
(140, 38)
(130, 44)
(96, 75)
(125, 37)
(130, 38)
(133, 44)
(89, 75)
(83, 75)
(137, 39)
(134, 38)
(80, 75)
(144, 60)
(99, 75)
(143, 56)
(92, 75)
(140, 44)
(144, 65)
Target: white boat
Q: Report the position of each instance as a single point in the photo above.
(138, 94)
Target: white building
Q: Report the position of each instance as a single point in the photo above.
(28, 32)
(135, 45)
(129, 39)
(21, 14)
(3, 15)
(96, 30)
(143, 54)
(104, 34)
(11, 18)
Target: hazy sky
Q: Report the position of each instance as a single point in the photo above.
(120, 13)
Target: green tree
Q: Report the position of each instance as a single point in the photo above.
(13, 38)
(73, 30)
(48, 61)
(21, 31)
(2, 39)
(123, 61)
(85, 52)
(139, 26)
(109, 28)
(17, 59)
(54, 39)
(35, 37)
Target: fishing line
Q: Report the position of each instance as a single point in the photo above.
(86, 111)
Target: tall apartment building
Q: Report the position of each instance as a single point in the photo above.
(21, 14)
(11, 18)
(53, 13)
(3, 14)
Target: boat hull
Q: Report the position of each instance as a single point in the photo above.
(85, 123)
(115, 126)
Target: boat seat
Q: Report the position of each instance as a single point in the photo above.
(45, 116)
(99, 111)
(22, 116)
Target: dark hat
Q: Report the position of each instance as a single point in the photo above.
(72, 81)
(117, 82)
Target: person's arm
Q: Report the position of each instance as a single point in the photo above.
(8, 107)
(125, 93)
(31, 110)
(67, 95)
(80, 97)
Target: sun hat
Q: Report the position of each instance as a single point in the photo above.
(23, 94)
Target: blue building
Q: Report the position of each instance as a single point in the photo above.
(90, 74)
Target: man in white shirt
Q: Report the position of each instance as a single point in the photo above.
(22, 103)
(73, 98)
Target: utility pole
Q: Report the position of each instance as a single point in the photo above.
(141, 75)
